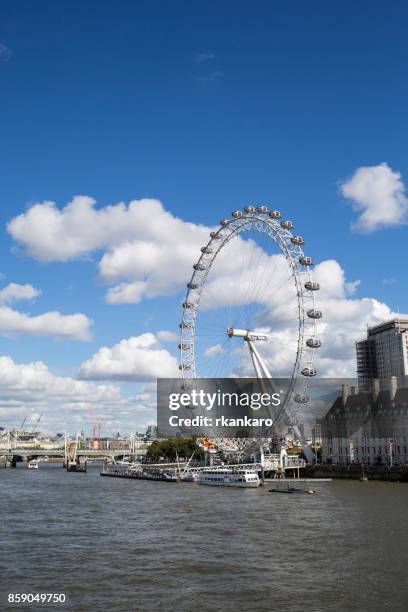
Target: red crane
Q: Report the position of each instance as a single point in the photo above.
(97, 423)
(96, 442)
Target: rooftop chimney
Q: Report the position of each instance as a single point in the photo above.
(393, 387)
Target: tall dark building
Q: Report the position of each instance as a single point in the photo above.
(384, 354)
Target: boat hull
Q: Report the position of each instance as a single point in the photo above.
(240, 485)
(77, 468)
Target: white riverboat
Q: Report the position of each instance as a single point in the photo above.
(33, 464)
(228, 477)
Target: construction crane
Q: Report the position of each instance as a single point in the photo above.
(97, 423)
(36, 423)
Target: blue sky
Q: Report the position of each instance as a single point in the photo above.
(205, 107)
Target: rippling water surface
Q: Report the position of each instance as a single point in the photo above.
(113, 544)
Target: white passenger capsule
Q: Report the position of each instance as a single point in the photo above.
(199, 266)
(306, 261)
(185, 325)
(314, 314)
(275, 214)
(287, 225)
(215, 235)
(236, 214)
(224, 222)
(192, 285)
(297, 240)
(206, 250)
(262, 209)
(309, 372)
(188, 305)
(312, 286)
(249, 209)
(184, 366)
(184, 347)
(301, 398)
(313, 343)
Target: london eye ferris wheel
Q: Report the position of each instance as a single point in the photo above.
(250, 307)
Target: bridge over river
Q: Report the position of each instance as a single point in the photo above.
(25, 454)
(272, 462)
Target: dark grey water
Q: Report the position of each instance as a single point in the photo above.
(120, 545)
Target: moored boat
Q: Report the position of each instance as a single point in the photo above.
(76, 466)
(229, 477)
(137, 473)
(292, 489)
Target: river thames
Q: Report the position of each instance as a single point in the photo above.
(122, 545)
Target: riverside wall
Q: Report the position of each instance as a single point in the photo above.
(354, 472)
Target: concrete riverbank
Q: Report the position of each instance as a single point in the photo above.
(354, 472)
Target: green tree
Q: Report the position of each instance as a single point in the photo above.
(173, 447)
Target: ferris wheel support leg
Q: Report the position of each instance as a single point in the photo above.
(208, 458)
(260, 367)
(255, 360)
(259, 364)
(309, 454)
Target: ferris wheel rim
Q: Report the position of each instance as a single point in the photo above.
(291, 247)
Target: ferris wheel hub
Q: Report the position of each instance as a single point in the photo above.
(247, 334)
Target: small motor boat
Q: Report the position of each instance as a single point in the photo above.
(292, 489)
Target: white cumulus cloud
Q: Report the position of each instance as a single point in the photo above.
(345, 320)
(71, 327)
(15, 292)
(34, 380)
(147, 252)
(139, 358)
(331, 278)
(378, 194)
(64, 402)
(167, 336)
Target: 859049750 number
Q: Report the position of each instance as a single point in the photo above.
(33, 598)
